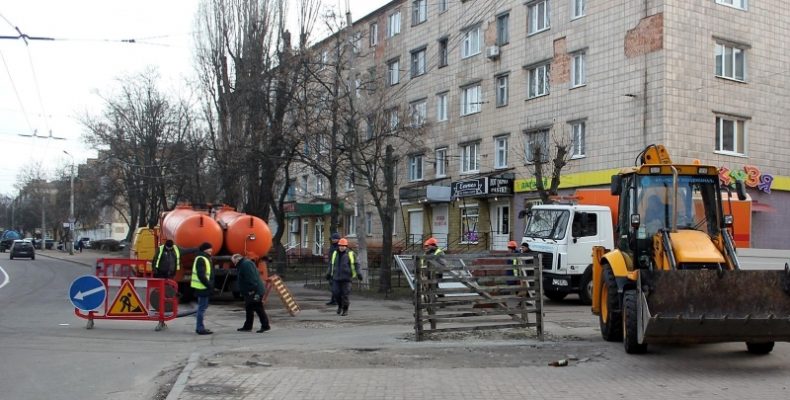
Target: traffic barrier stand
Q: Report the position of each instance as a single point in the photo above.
(123, 267)
(276, 283)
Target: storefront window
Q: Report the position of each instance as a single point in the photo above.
(470, 216)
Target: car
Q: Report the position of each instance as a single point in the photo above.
(49, 243)
(36, 242)
(8, 239)
(22, 248)
(86, 243)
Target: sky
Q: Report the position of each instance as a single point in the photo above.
(48, 86)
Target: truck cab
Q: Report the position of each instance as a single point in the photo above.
(564, 235)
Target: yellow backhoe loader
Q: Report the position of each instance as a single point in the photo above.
(673, 276)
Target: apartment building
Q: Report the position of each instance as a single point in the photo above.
(492, 79)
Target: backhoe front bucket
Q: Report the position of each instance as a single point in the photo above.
(706, 306)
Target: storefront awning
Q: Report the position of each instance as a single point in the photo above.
(307, 209)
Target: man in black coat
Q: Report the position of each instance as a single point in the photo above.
(343, 270)
(251, 287)
(332, 247)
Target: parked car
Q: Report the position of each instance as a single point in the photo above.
(22, 248)
(49, 243)
(36, 242)
(8, 239)
(86, 243)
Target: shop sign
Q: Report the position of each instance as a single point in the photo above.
(474, 187)
(500, 186)
(750, 175)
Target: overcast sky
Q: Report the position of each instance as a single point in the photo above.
(48, 85)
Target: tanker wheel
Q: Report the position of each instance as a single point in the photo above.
(555, 296)
(610, 318)
(586, 287)
(759, 348)
(630, 325)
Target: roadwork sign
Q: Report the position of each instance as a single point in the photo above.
(127, 303)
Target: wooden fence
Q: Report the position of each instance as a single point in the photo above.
(471, 294)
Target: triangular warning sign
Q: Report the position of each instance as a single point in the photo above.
(127, 303)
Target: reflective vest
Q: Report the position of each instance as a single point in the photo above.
(515, 270)
(437, 252)
(351, 260)
(196, 283)
(159, 257)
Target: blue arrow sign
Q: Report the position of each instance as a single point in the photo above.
(87, 293)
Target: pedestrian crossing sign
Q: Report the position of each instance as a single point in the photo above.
(127, 303)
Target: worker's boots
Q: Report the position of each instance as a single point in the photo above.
(339, 308)
(345, 311)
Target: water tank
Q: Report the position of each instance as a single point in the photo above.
(189, 228)
(244, 234)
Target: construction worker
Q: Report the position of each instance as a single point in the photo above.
(343, 270)
(202, 285)
(252, 288)
(513, 248)
(332, 247)
(167, 260)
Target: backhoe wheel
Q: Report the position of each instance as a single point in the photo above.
(610, 319)
(630, 325)
(586, 287)
(759, 348)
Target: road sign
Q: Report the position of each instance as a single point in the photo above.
(87, 293)
(127, 303)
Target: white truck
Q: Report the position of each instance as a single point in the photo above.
(565, 234)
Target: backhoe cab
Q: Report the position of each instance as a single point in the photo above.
(674, 276)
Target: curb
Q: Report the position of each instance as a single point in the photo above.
(66, 259)
(181, 381)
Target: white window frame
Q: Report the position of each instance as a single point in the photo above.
(419, 11)
(539, 17)
(470, 44)
(444, 53)
(539, 81)
(467, 215)
(578, 69)
(441, 162)
(416, 167)
(442, 101)
(724, 61)
(419, 112)
(503, 29)
(739, 4)
(500, 152)
(393, 118)
(471, 99)
(578, 138)
(470, 158)
(739, 135)
(540, 137)
(369, 223)
(351, 224)
(305, 234)
(305, 184)
(418, 62)
(442, 6)
(578, 8)
(502, 85)
(393, 24)
(374, 34)
(319, 185)
(393, 72)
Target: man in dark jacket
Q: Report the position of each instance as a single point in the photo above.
(202, 285)
(251, 287)
(332, 247)
(167, 260)
(343, 270)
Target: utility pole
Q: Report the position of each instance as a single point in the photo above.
(70, 236)
(43, 221)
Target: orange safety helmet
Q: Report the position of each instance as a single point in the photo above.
(512, 244)
(342, 242)
(431, 241)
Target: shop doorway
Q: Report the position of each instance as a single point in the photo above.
(500, 226)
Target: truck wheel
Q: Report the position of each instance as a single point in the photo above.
(610, 318)
(555, 296)
(631, 336)
(586, 287)
(759, 348)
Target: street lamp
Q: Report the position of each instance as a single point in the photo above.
(70, 242)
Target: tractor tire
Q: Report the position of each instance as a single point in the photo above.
(630, 324)
(759, 348)
(610, 318)
(586, 287)
(555, 296)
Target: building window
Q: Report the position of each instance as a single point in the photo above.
(417, 62)
(470, 158)
(393, 24)
(501, 90)
(319, 185)
(369, 223)
(441, 162)
(471, 42)
(392, 117)
(731, 135)
(305, 188)
(470, 217)
(579, 69)
(442, 52)
(539, 81)
(415, 168)
(500, 152)
(374, 34)
(305, 233)
(351, 223)
(537, 143)
(538, 16)
(369, 127)
(419, 112)
(730, 62)
(578, 8)
(470, 99)
(441, 106)
(578, 132)
(740, 4)
(350, 183)
(442, 6)
(503, 29)
(393, 68)
(419, 11)
(324, 59)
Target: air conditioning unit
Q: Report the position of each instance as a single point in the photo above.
(492, 52)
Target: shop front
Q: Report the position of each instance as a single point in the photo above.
(425, 210)
(307, 227)
(483, 209)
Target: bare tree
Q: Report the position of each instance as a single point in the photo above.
(546, 153)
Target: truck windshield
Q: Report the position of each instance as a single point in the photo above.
(547, 224)
(697, 203)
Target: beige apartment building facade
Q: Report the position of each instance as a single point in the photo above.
(708, 79)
